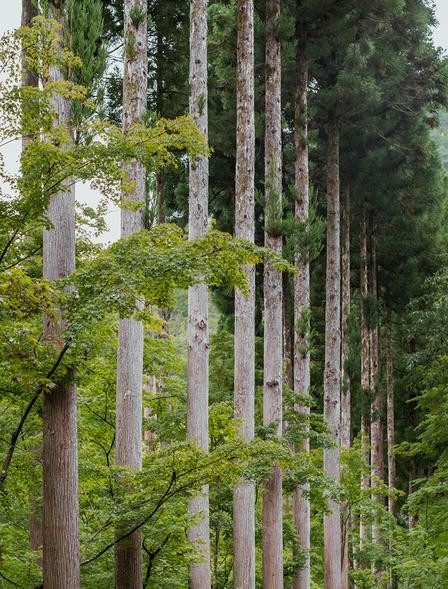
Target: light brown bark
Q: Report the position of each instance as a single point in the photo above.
(244, 393)
(365, 366)
(198, 344)
(301, 503)
(332, 374)
(391, 469)
(60, 459)
(272, 556)
(345, 389)
(128, 451)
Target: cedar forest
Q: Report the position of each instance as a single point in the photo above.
(249, 389)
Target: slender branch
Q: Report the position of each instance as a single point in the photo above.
(16, 433)
(151, 556)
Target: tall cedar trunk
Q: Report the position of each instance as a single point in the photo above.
(197, 398)
(376, 409)
(244, 492)
(29, 11)
(390, 417)
(332, 374)
(273, 294)
(365, 366)
(60, 458)
(128, 452)
(301, 504)
(345, 391)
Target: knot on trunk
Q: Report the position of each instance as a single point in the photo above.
(272, 383)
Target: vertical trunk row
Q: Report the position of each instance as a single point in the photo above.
(60, 458)
(345, 377)
(390, 416)
(332, 374)
(128, 451)
(197, 370)
(365, 365)
(273, 294)
(301, 504)
(244, 492)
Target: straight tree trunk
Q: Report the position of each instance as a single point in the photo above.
(376, 409)
(301, 503)
(391, 472)
(128, 450)
(346, 302)
(198, 344)
(244, 393)
(365, 367)
(345, 391)
(60, 452)
(273, 295)
(29, 11)
(332, 374)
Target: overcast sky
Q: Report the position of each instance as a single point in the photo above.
(10, 18)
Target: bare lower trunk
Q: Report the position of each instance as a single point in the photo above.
(301, 503)
(365, 368)
(128, 451)
(345, 390)
(390, 419)
(197, 370)
(60, 458)
(244, 492)
(332, 374)
(29, 11)
(273, 294)
(376, 410)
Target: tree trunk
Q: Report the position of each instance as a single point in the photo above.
(128, 451)
(332, 375)
(376, 410)
(29, 11)
(301, 504)
(390, 418)
(244, 492)
(345, 391)
(197, 371)
(365, 367)
(273, 295)
(60, 453)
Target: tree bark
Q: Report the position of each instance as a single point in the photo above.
(365, 367)
(273, 294)
(345, 391)
(60, 457)
(332, 374)
(376, 409)
(391, 472)
(198, 344)
(128, 451)
(301, 504)
(244, 392)
(29, 11)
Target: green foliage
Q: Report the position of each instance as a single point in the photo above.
(137, 14)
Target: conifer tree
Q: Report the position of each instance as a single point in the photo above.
(128, 449)
(244, 391)
(301, 504)
(198, 344)
(273, 305)
(60, 452)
